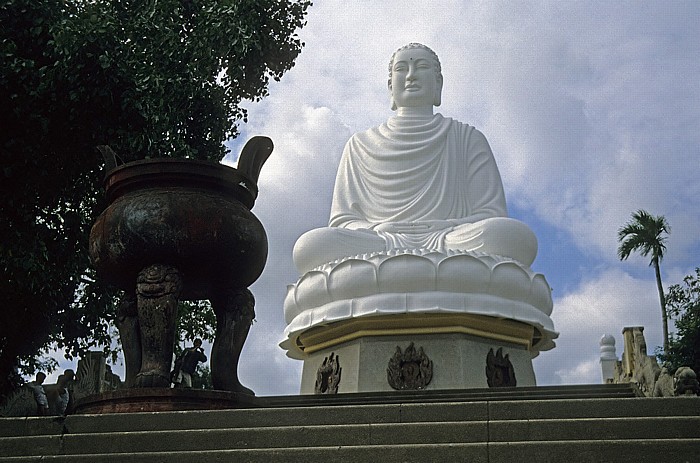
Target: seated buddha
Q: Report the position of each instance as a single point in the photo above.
(420, 181)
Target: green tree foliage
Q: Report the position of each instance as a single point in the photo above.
(683, 302)
(149, 78)
(646, 234)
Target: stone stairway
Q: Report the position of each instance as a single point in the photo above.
(600, 423)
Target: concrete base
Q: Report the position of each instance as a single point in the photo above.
(459, 361)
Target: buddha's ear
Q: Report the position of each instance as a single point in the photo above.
(391, 96)
(437, 101)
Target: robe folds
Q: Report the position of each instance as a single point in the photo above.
(417, 169)
(410, 170)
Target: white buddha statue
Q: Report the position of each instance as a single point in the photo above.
(420, 181)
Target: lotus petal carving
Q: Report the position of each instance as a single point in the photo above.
(541, 294)
(406, 273)
(510, 280)
(353, 278)
(401, 282)
(312, 290)
(463, 274)
(466, 273)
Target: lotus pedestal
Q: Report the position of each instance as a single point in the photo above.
(412, 320)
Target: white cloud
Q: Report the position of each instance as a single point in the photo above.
(585, 372)
(603, 304)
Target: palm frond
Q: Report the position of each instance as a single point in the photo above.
(645, 234)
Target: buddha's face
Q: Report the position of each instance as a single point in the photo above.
(415, 81)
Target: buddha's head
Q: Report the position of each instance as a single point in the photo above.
(415, 77)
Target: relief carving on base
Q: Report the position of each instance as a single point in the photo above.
(499, 370)
(328, 375)
(410, 369)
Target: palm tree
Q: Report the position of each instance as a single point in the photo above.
(645, 233)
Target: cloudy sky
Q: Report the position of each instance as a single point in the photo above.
(592, 110)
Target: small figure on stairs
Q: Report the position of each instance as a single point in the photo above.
(42, 403)
(186, 364)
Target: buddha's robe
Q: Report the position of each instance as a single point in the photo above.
(434, 178)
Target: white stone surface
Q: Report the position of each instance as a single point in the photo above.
(607, 347)
(412, 282)
(608, 358)
(459, 361)
(418, 225)
(418, 181)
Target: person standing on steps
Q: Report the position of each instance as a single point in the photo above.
(186, 364)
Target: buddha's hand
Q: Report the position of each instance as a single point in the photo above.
(425, 226)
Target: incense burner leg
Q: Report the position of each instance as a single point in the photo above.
(157, 291)
(127, 321)
(235, 311)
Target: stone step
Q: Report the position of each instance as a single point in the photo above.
(248, 418)
(577, 429)
(619, 451)
(31, 426)
(247, 438)
(594, 408)
(583, 391)
(391, 413)
(345, 414)
(425, 426)
(512, 431)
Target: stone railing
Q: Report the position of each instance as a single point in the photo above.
(636, 366)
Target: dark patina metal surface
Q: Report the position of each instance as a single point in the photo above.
(179, 229)
(192, 215)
